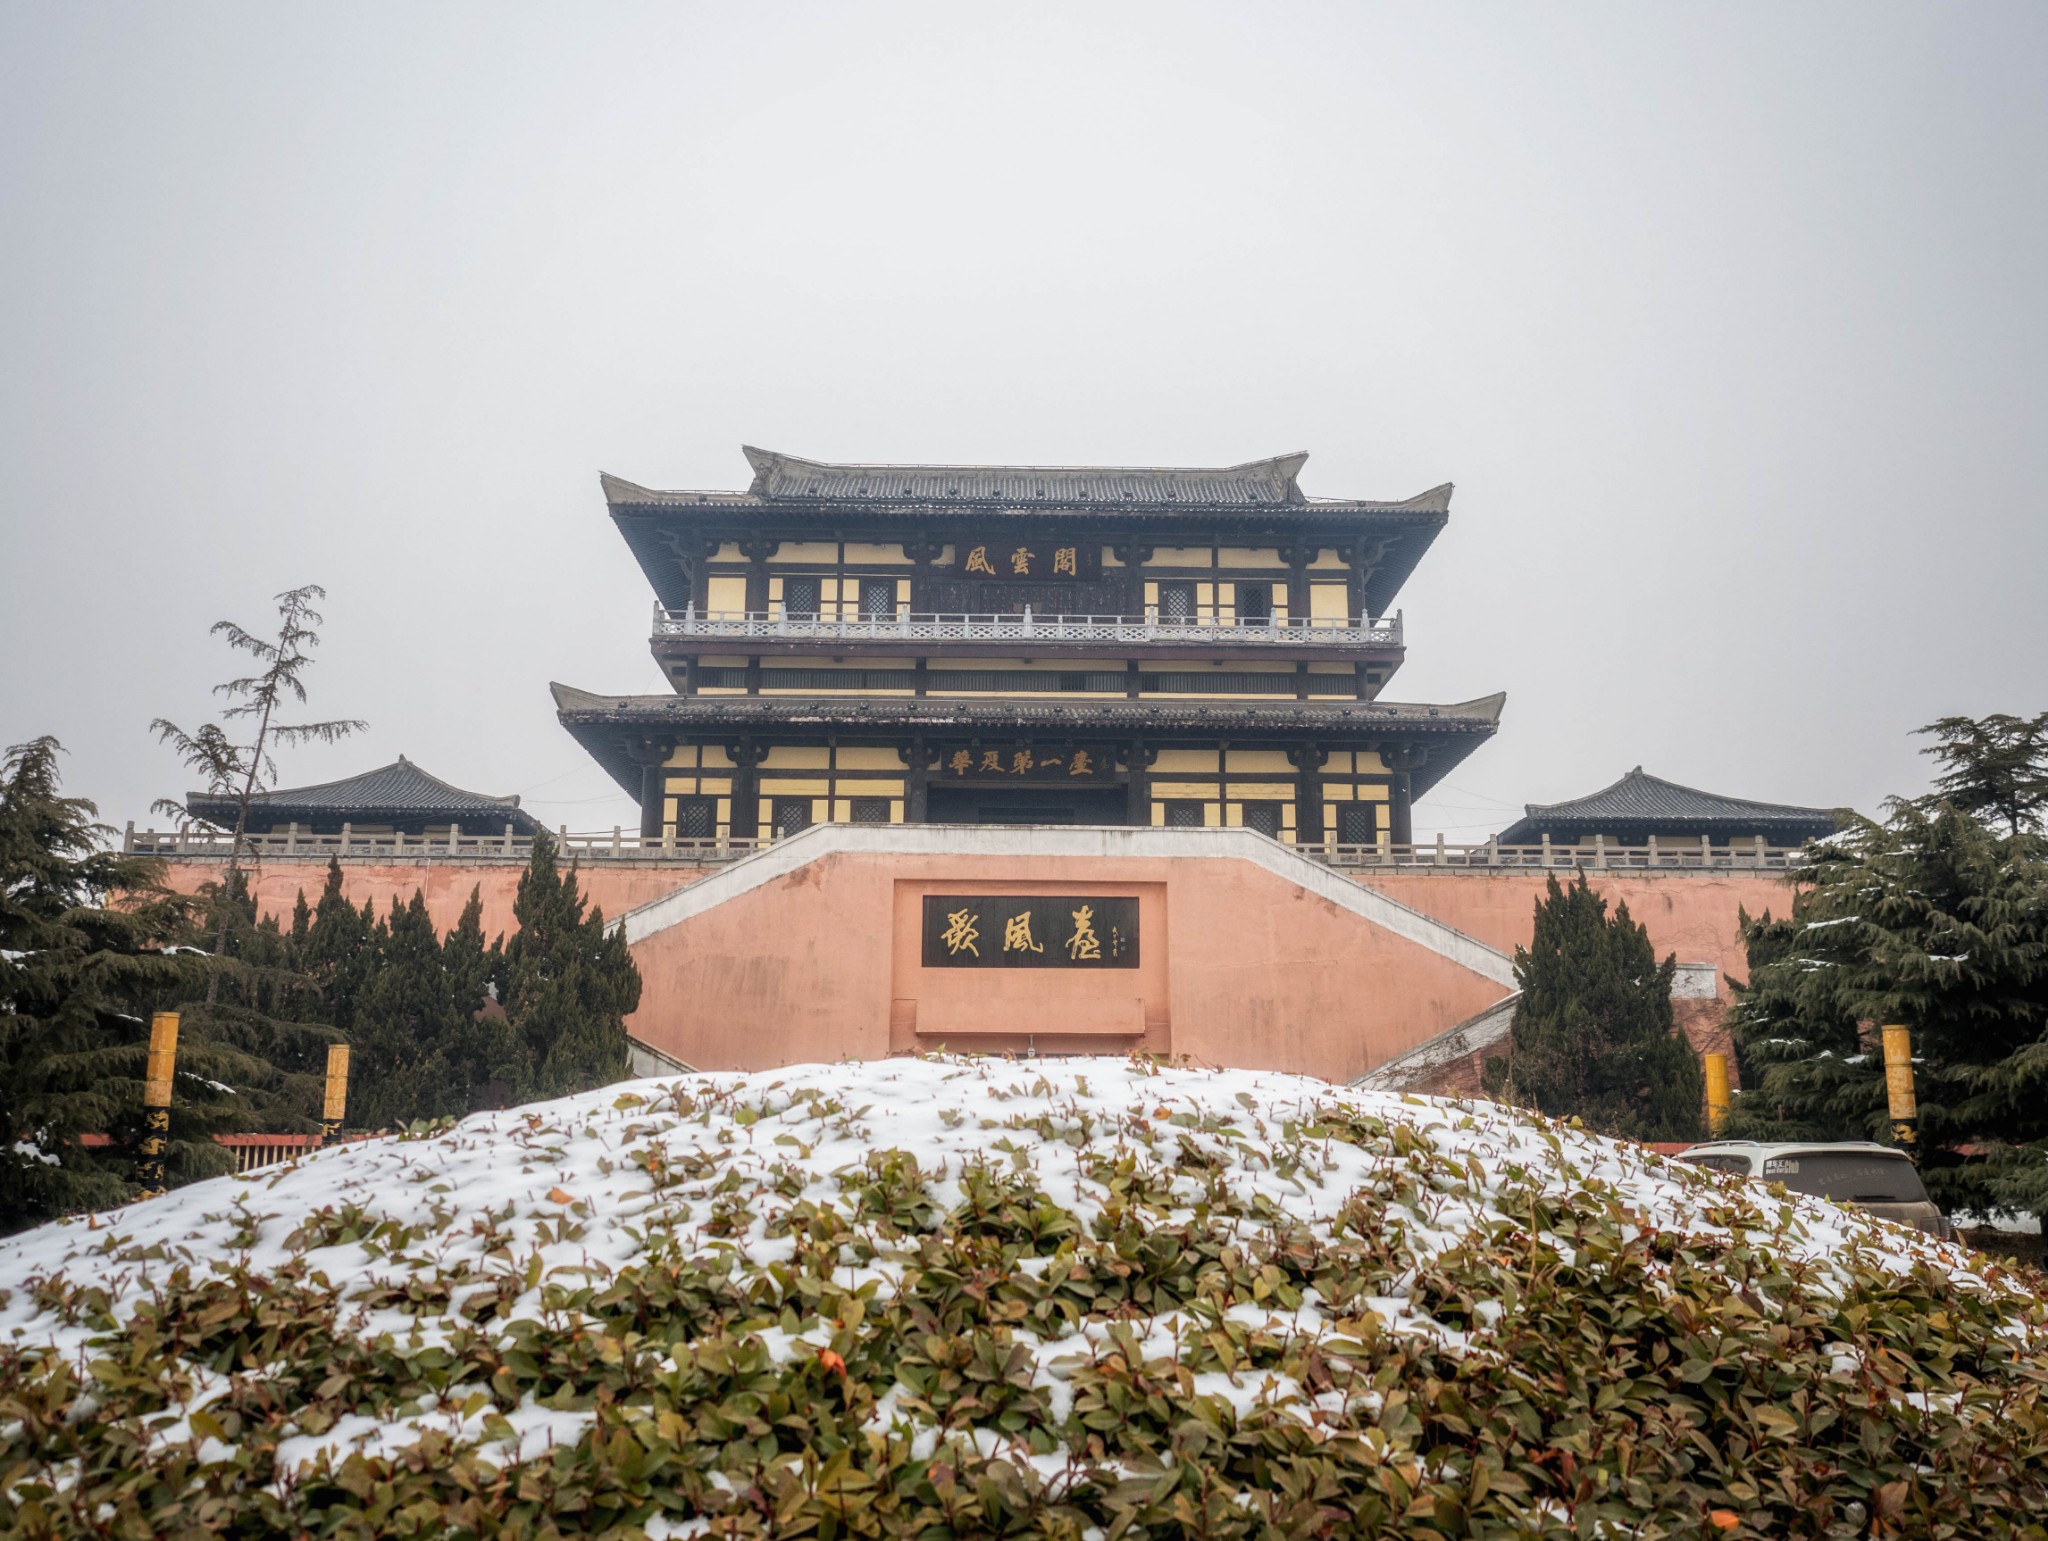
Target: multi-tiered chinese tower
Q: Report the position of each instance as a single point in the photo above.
(1025, 645)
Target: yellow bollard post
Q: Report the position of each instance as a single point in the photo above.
(1898, 1087)
(336, 1103)
(156, 1104)
(1718, 1099)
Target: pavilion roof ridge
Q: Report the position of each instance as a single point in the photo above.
(401, 784)
(1638, 794)
(781, 479)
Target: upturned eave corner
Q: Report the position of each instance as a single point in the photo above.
(618, 490)
(1488, 708)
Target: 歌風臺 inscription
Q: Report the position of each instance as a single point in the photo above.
(1030, 931)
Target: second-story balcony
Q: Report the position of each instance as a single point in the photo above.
(904, 626)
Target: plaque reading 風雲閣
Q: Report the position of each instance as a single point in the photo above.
(1030, 931)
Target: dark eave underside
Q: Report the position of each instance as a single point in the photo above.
(603, 724)
(647, 531)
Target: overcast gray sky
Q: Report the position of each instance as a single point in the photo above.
(1727, 320)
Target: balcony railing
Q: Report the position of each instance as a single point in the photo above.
(617, 845)
(737, 625)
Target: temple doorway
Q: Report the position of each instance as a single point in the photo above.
(1026, 805)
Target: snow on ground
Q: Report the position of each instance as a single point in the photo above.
(513, 1201)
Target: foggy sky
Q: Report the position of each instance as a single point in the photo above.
(1727, 321)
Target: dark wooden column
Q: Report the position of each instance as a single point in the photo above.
(1363, 560)
(701, 574)
(916, 780)
(1403, 760)
(746, 786)
(1297, 559)
(1138, 760)
(1307, 759)
(757, 549)
(651, 755)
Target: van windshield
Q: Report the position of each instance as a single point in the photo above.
(1857, 1177)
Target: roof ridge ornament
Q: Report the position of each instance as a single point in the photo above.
(778, 475)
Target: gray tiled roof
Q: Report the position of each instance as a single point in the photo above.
(596, 720)
(1258, 481)
(788, 478)
(1640, 800)
(400, 788)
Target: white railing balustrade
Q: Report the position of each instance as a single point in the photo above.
(1300, 631)
(616, 845)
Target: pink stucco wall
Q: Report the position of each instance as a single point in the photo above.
(1253, 970)
(1691, 914)
(1238, 966)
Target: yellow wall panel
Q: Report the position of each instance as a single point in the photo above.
(890, 556)
(813, 552)
(867, 757)
(1249, 556)
(1185, 760)
(786, 756)
(726, 594)
(1180, 556)
(1258, 760)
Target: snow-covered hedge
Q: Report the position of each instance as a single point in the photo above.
(1077, 1298)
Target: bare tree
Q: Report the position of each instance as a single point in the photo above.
(241, 770)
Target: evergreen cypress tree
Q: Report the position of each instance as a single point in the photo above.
(1778, 1020)
(251, 1052)
(72, 1044)
(1936, 920)
(401, 1022)
(568, 986)
(336, 952)
(428, 1037)
(479, 1051)
(1593, 1034)
(1991, 767)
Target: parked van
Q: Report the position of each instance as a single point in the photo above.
(1854, 1173)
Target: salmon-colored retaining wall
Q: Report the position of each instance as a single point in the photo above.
(1238, 967)
(1691, 914)
(614, 887)
(824, 963)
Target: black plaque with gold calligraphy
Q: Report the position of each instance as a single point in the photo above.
(1015, 560)
(1030, 931)
(1022, 762)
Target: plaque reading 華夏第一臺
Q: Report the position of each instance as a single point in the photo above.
(1030, 931)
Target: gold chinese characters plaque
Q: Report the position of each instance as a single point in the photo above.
(1030, 931)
